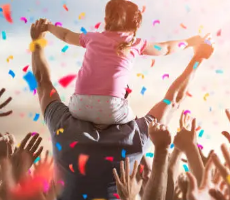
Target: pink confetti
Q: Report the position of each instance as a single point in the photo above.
(109, 159)
(97, 25)
(72, 145)
(65, 81)
(187, 112)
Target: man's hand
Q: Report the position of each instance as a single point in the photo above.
(4, 104)
(159, 135)
(128, 186)
(39, 29)
(185, 138)
(31, 149)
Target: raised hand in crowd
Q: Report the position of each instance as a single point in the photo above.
(128, 186)
(4, 104)
(226, 133)
(30, 146)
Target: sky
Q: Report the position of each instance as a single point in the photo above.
(197, 17)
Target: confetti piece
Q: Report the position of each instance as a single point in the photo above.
(218, 33)
(187, 112)
(10, 58)
(153, 62)
(60, 130)
(141, 168)
(36, 117)
(1, 10)
(58, 24)
(81, 16)
(35, 91)
(142, 75)
(200, 29)
(228, 179)
(23, 19)
(172, 145)
(36, 160)
(65, 7)
(11, 73)
(149, 155)
(116, 195)
(83, 30)
(200, 146)
(59, 147)
(156, 22)
(188, 94)
(61, 182)
(123, 153)
(71, 168)
(165, 75)
(195, 65)
(73, 144)
(84, 196)
(143, 9)
(25, 68)
(3, 35)
(64, 49)
(183, 26)
(7, 13)
(97, 25)
(198, 128)
(31, 81)
(182, 44)
(52, 92)
(219, 71)
(34, 133)
(186, 168)
(205, 96)
(158, 48)
(167, 101)
(128, 90)
(65, 81)
(109, 159)
(201, 133)
(143, 90)
(82, 162)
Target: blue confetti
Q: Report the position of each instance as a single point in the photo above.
(143, 90)
(59, 147)
(64, 49)
(1, 9)
(186, 168)
(167, 101)
(83, 30)
(36, 160)
(201, 133)
(31, 81)
(3, 35)
(195, 65)
(11, 73)
(36, 117)
(84, 196)
(208, 42)
(149, 155)
(157, 47)
(219, 71)
(123, 152)
(172, 146)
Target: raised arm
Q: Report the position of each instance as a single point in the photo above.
(40, 69)
(167, 48)
(64, 34)
(157, 184)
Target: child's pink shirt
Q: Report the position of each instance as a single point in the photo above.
(103, 72)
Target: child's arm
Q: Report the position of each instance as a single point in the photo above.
(64, 34)
(166, 48)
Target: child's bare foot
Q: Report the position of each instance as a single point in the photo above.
(204, 49)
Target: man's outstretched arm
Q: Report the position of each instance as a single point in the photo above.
(46, 90)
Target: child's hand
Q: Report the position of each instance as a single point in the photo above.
(39, 29)
(195, 40)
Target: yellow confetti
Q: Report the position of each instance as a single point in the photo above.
(142, 75)
(228, 179)
(10, 57)
(41, 42)
(205, 96)
(200, 29)
(81, 16)
(60, 130)
(178, 130)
